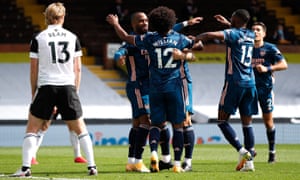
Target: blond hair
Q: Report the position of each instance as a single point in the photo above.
(54, 12)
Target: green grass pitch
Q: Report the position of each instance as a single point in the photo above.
(216, 162)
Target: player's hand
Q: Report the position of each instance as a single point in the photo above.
(198, 45)
(261, 68)
(54, 110)
(122, 60)
(112, 19)
(54, 113)
(186, 55)
(195, 20)
(222, 19)
(177, 54)
(191, 37)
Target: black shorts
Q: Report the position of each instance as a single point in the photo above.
(65, 98)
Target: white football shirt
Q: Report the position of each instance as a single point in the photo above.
(55, 48)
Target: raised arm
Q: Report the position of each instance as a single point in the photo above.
(222, 20)
(123, 35)
(177, 27)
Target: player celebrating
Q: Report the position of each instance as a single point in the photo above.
(55, 74)
(239, 89)
(188, 130)
(166, 98)
(137, 88)
(266, 59)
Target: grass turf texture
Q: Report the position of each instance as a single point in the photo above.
(209, 162)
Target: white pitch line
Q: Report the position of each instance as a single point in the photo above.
(35, 177)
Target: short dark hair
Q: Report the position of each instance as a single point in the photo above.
(162, 19)
(260, 24)
(134, 14)
(242, 14)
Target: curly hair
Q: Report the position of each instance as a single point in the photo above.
(162, 19)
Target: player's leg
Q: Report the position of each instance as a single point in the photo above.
(143, 117)
(227, 106)
(138, 134)
(249, 142)
(248, 107)
(154, 137)
(177, 146)
(78, 158)
(29, 145)
(40, 110)
(271, 132)
(228, 132)
(189, 142)
(131, 148)
(141, 139)
(71, 112)
(266, 97)
(165, 162)
(40, 138)
(157, 117)
(130, 92)
(231, 136)
(176, 114)
(188, 130)
(79, 127)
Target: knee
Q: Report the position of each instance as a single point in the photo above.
(221, 123)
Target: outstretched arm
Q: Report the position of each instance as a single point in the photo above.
(210, 35)
(123, 35)
(177, 27)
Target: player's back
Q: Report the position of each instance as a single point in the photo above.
(164, 71)
(240, 43)
(55, 49)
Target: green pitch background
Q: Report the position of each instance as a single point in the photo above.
(210, 162)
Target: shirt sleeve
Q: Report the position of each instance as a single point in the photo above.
(277, 55)
(78, 51)
(177, 27)
(33, 48)
(122, 51)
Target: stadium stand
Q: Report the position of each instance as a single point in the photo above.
(87, 19)
(14, 26)
(285, 13)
